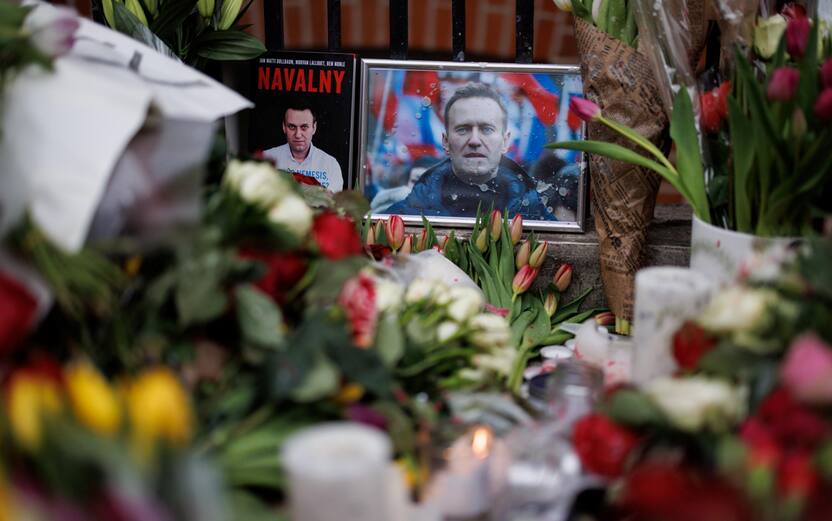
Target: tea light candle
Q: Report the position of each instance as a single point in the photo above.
(463, 489)
(339, 471)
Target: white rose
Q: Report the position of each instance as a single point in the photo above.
(388, 295)
(738, 310)
(499, 361)
(446, 330)
(423, 289)
(257, 183)
(489, 330)
(293, 213)
(695, 403)
(465, 302)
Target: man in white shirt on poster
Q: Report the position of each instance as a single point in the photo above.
(300, 156)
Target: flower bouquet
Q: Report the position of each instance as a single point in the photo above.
(743, 431)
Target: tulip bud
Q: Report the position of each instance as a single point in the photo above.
(52, 31)
(441, 242)
(799, 125)
(550, 304)
(584, 109)
(379, 230)
(371, 236)
(394, 229)
(783, 84)
(523, 280)
(407, 245)
(496, 225)
(523, 254)
(516, 229)
(482, 240)
(713, 107)
(797, 36)
(539, 255)
(767, 34)
(607, 318)
(107, 5)
(563, 277)
(823, 105)
(205, 8)
(564, 5)
(92, 399)
(826, 73)
(228, 13)
(422, 242)
(152, 7)
(136, 8)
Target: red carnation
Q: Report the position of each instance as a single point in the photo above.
(18, 309)
(358, 298)
(689, 344)
(305, 179)
(283, 272)
(714, 107)
(603, 445)
(336, 236)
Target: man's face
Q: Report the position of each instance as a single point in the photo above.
(299, 127)
(475, 139)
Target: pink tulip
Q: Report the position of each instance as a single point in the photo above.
(823, 105)
(539, 255)
(783, 84)
(394, 229)
(563, 277)
(523, 280)
(52, 30)
(523, 253)
(807, 370)
(516, 228)
(407, 245)
(797, 36)
(607, 318)
(422, 241)
(826, 73)
(584, 109)
(496, 224)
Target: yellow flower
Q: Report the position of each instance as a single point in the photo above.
(93, 401)
(159, 409)
(31, 398)
(349, 393)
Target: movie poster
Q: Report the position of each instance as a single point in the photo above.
(303, 115)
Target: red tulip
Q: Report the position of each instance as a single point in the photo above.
(522, 257)
(792, 10)
(823, 105)
(441, 242)
(18, 313)
(523, 280)
(797, 36)
(371, 236)
(496, 224)
(714, 107)
(783, 84)
(539, 255)
(394, 229)
(690, 343)
(563, 277)
(421, 243)
(407, 245)
(358, 298)
(584, 109)
(603, 445)
(516, 228)
(607, 318)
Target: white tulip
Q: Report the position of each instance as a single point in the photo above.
(52, 29)
(696, 403)
(564, 5)
(293, 213)
(465, 302)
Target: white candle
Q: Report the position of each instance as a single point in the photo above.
(463, 489)
(339, 471)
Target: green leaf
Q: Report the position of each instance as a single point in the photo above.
(582, 11)
(228, 45)
(633, 408)
(688, 159)
(742, 136)
(316, 196)
(172, 14)
(539, 329)
(353, 203)
(199, 294)
(321, 381)
(568, 310)
(127, 23)
(603, 18)
(261, 321)
(331, 276)
(363, 366)
(390, 341)
(506, 262)
(521, 323)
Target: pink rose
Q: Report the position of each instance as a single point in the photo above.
(358, 298)
(807, 370)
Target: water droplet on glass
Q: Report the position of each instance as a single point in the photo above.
(525, 202)
(563, 191)
(426, 101)
(454, 197)
(544, 199)
(484, 187)
(551, 210)
(418, 115)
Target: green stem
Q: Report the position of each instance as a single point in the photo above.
(639, 140)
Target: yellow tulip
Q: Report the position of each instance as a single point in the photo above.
(31, 398)
(93, 400)
(159, 409)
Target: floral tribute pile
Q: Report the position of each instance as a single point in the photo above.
(175, 371)
(744, 430)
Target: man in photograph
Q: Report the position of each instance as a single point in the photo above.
(476, 173)
(299, 155)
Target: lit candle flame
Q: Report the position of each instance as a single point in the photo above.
(481, 442)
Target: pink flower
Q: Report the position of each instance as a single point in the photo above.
(807, 370)
(358, 298)
(783, 84)
(52, 29)
(394, 229)
(503, 312)
(516, 228)
(584, 109)
(523, 279)
(797, 36)
(826, 73)
(607, 318)
(563, 277)
(823, 105)
(407, 245)
(523, 253)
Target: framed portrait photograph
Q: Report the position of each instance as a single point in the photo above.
(441, 139)
(303, 102)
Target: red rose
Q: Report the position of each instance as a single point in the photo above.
(283, 272)
(18, 310)
(795, 475)
(358, 298)
(305, 179)
(794, 425)
(763, 449)
(336, 236)
(689, 344)
(603, 445)
(714, 107)
(654, 490)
